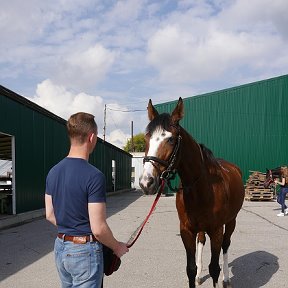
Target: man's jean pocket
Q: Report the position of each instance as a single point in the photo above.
(79, 264)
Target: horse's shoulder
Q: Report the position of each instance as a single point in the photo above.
(228, 166)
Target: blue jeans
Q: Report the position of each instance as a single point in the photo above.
(79, 265)
(281, 198)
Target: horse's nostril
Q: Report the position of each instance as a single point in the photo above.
(150, 181)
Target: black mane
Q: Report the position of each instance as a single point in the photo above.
(213, 163)
(162, 120)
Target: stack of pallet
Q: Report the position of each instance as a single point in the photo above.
(255, 190)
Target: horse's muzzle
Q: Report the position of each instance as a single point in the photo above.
(148, 184)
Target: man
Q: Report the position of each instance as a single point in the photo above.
(75, 202)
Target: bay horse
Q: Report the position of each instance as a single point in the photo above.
(210, 194)
(272, 174)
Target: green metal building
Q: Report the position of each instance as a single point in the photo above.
(35, 139)
(247, 125)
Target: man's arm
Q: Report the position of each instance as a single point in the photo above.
(50, 216)
(101, 230)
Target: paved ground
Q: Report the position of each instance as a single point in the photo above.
(258, 254)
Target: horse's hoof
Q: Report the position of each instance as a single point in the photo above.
(198, 281)
(227, 284)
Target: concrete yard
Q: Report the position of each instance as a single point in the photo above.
(258, 253)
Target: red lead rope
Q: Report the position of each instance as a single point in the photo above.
(159, 192)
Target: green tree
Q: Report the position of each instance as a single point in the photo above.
(139, 144)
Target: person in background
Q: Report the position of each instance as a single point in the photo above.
(75, 202)
(282, 195)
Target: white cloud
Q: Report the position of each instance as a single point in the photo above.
(60, 101)
(118, 138)
(129, 51)
(84, 69)
(125, 11)
(191, 47)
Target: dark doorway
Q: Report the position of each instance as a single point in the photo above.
(7, 184)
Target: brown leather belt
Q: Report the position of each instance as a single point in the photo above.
(77, 239)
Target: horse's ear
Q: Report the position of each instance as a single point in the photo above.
(152, 112)
(178, 112)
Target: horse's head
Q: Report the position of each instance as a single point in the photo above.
(162, 144)
(271, 174)
(269, 178)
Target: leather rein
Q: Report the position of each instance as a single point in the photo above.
(138, 231)
(166, 176)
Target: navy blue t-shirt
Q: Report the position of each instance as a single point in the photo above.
(73, 183)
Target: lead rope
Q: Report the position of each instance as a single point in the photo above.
(139, 230)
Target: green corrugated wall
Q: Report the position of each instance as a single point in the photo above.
(40, 142)
(246, 125)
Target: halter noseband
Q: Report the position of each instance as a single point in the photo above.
(169, 173)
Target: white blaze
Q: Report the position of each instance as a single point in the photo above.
(158, 136)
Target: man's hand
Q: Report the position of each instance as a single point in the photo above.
(120, 249)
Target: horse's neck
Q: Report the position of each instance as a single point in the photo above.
(191, 160)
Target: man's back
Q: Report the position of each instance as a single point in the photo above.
(72, 183)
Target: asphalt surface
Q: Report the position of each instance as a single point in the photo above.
(258, 253)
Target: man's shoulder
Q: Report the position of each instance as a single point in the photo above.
(95, 171)
(56, 167)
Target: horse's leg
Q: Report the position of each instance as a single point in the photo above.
(201, 239)
(216, 242)
(189, 241)
(229, 229)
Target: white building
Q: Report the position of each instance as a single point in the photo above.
(137, 168)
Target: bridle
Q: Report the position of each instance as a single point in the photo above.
(169, 173)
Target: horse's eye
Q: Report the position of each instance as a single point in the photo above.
(170, 140)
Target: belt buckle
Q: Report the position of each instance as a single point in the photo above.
(79, 240)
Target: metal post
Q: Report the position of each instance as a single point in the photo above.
(132, 139)
(104, 128)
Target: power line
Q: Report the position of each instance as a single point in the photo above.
(116, 110)
(119, 110)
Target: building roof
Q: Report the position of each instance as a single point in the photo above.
(24, 101)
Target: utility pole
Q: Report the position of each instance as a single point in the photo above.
(132, 140)
(104, 128)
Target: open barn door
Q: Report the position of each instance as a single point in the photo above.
(7, 175)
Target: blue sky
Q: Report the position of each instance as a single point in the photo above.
(78, 55)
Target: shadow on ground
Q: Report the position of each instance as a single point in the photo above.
(118, 202)
(253, 270)
(25, 244)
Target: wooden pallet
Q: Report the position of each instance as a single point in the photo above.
(259, 194)
(258, 198)
(252, 189)
(255, 190)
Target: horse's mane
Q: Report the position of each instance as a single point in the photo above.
(211, 162)
(162, 120)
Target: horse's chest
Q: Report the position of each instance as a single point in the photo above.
(198, 224)
(197, 218)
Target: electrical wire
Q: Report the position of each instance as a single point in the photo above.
(119, 110)
(110, 116)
